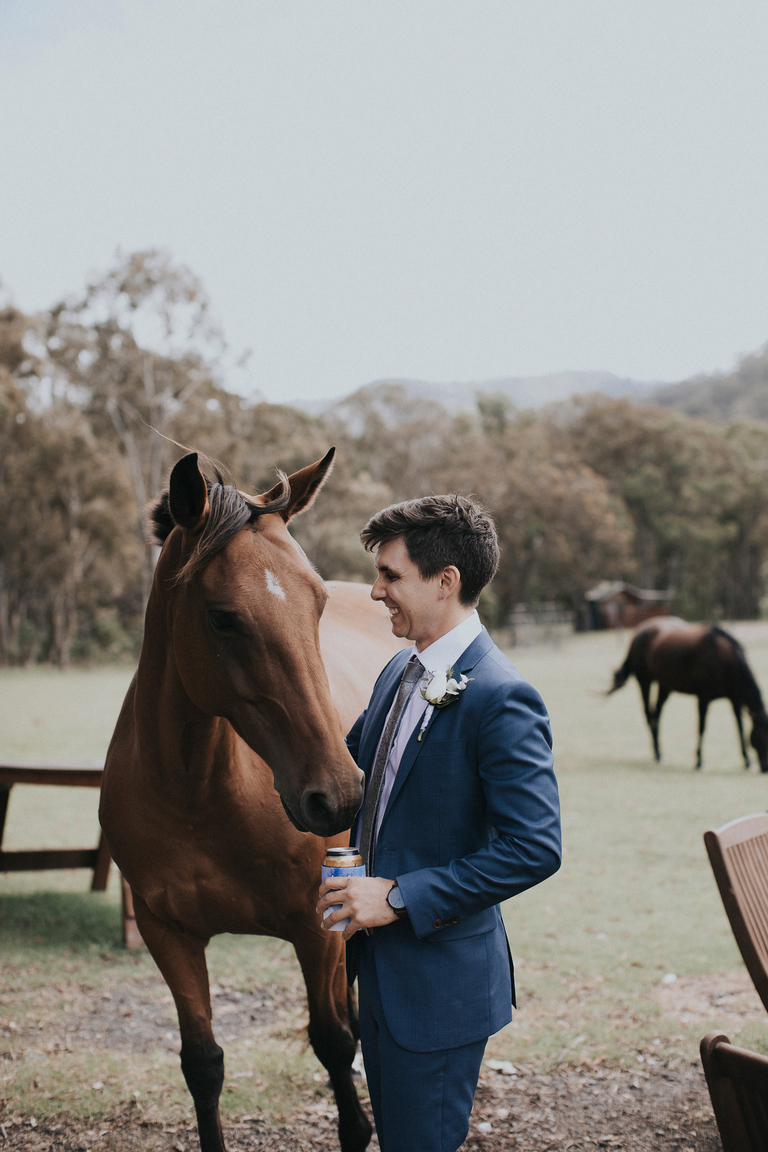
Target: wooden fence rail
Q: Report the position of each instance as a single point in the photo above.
(96, 859)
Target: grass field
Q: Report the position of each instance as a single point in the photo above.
(635, 902)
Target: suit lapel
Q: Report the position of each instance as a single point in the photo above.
(466, 662)
(479, 647)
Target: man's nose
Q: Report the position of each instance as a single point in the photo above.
(377, 592)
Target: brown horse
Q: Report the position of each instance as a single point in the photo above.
(227, 774)
(701, 660)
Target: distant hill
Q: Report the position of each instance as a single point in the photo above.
(723, 396)
(523, 391)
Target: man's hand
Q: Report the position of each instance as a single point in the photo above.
(362, 898)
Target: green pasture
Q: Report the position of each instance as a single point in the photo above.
(634, 902)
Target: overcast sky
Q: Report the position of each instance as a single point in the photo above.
(403, 188)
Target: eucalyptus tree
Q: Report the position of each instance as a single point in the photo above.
(696, 494)
(137, 351)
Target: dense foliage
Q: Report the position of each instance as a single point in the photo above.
(741, 394)
(99, 394)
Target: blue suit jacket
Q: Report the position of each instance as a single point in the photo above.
(473, 818)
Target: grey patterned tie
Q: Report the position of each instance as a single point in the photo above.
(412, 672)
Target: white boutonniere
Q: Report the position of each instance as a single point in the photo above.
(442, 689)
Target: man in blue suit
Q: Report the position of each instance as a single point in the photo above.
(461, 812)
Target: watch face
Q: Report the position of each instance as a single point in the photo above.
(395, 898)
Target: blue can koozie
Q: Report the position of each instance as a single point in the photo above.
(341, 862)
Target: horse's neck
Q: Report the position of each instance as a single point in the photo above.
(754, 700)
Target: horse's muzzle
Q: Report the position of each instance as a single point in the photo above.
(323, 816)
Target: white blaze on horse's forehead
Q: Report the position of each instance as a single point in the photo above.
(273, 584)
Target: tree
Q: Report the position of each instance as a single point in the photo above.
(136, 352)
(694, 492)
(741, 394)
(559, 526)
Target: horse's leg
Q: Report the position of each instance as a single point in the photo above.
(737, 713)
(703, 706)
(661, 698)
(645, 690)
(180, 956)
(333, 1026)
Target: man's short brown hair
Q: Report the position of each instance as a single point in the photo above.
(439, 531)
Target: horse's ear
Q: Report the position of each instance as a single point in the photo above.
(305, 485)
(188, 493)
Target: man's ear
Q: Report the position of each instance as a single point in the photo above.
(305, 485)
(188, 493)
(450, 581)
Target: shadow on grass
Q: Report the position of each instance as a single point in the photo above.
(664, 768)
(58, 918)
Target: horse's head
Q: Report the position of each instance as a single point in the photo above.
(759, 738)
(242, 605)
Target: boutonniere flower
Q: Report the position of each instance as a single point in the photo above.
(442, 689)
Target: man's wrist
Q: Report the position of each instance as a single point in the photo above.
(396, 901)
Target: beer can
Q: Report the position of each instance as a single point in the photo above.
(341, 862)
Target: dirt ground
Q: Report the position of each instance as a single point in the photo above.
(658, 1105)
(663, 1110)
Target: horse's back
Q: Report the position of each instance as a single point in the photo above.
(669, 634)
(697, 659)
(661, 625)
(356, 642)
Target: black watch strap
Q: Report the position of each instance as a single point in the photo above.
(396, 902)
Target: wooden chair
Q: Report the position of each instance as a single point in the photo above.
(738, 853)
(738, 1088)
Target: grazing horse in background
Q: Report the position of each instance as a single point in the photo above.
(701, 660)
(228, 774)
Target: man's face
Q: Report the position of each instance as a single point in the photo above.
(415, 605)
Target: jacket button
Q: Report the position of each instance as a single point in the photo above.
(446, 922)
(455, 920)
(437, 923)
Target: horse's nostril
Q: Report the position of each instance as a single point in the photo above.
(317, 811)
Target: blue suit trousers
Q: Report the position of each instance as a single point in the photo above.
(421, 1100)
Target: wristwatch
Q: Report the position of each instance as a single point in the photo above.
(396, 901)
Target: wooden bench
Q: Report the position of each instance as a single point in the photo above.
(97, 859)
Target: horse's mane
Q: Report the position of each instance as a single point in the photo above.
(743, 677)
(228, 512)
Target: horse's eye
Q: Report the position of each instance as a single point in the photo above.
(223, 621)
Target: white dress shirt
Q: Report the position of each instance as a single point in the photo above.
(437, 657)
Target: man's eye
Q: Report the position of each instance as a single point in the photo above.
(223, 621)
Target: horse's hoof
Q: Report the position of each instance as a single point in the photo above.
(355, 1137)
